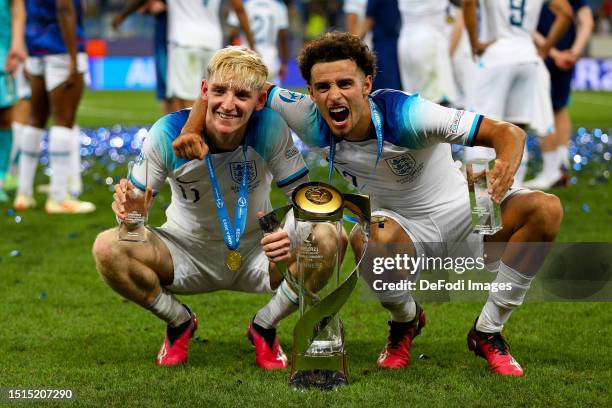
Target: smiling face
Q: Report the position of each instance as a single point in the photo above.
(340, 90)
(230, 105)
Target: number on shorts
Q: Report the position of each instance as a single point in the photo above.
(517, 12)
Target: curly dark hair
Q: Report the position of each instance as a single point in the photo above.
(336, 46)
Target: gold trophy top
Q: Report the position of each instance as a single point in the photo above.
(318, 201)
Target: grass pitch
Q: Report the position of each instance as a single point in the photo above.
(63, 328)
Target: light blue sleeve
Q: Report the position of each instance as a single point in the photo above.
(301, 114)
(423, 123)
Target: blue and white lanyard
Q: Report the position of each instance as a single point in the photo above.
(231, 235)
(378, 128)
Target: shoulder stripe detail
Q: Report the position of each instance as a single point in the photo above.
(273, 89)
(139, 185)
(474, 130)
(298, 174)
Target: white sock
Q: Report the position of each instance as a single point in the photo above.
(166, 307)
(75, 183)
(28, 160)
(500, 304)
(17, 137)
(283, 303)
(551, 163)
(402, 310)
(519, 176)
(60, 142)
(563, 152)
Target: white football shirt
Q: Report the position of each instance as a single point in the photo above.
(511, 24)
(270, 155)
(416, 174)
(266, 19)
(195, 23)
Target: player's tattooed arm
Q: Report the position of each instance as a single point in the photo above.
(508, 140)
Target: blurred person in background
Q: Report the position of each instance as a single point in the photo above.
(194, 35)
(157, 8)
(383, 19)
(501, 38)
(423, 51)
(9, 16)
(56, 65)
(560, 61)
(269, 21)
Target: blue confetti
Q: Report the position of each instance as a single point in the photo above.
(18, 219)
(586, 208)
(15, 253)
(10, 212)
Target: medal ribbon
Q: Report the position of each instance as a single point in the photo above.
(231, 235)
(378, 128)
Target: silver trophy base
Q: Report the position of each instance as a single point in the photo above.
(324, 380)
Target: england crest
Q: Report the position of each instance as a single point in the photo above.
(236, 170)
(401, 165)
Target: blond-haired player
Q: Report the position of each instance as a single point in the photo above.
(187, 255)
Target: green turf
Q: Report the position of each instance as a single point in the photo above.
(63, 328)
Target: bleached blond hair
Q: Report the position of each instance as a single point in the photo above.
(242, 66)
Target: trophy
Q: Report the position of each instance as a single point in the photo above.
(486, 214)
(133, 227)
(318, 355)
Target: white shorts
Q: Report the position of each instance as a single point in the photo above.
(199, 267)
(504, 92)
(543, 122)
(425, 65)
(447, 232)
(186, 69)
(54, 68)
(22, 84)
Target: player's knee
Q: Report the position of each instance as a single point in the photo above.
(389, 232)
(547, 214)
(107, 253)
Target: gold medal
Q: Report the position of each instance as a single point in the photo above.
(233, 260)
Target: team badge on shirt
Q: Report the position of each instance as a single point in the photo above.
(236, 171)
(401, 165)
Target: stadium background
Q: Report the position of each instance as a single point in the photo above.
(64, 328)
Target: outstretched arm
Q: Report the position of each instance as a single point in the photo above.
(508, 140)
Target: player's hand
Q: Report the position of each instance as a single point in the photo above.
(479, 48)
(157, 7)
(73, 75)
(501, 180)
(565, 60)
(14, 58)
(190, 146)
(127, 199)
(276, 245)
